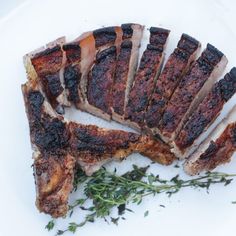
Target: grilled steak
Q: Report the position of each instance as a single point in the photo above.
(217, 149)
(191, 90)
(53, 165)
(192, 134)
(125, 68)
(175, 67)
(59, 144)
(100, 77)
(93, 146)
(145, 78)
(47, 65)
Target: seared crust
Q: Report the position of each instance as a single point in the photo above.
(53, 166)
(120, 78)
(172, 73)
(54, 174)
(48, 61)
(146, 76)
(104, 36)
(91, 145)
(217, 153)
(187, 90)
(100, 80)
(126, 66)
(72, 51)
(72, 79)
(47, 65)
(208, 110)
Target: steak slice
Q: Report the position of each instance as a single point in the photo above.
(175, 68)
(191, 90)
(217, 149)
(97, 80)
(47, 65)
(53, 164)
(145, 78)
(126, 66)
(192, 134)
(93, 146)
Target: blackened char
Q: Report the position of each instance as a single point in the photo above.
(145, 79)
(100, 80)
(176, 66)
(208, 110)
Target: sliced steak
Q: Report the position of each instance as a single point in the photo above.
(217, 149)
(126, 66)
(93, 146)
(145, 78)
(192, 134)
(191, 90)
(47, 65)
(176, 66)
(97, 80)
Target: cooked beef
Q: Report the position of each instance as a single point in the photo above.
(47, 65)
(93, 146)
(217, 149)
(53, 165)
(107, 43)
(191, 90)
(54, 174)
(145, 78)
(175, 67)
(59, 144)
(125, 68)
(192, 133)
(100, 80)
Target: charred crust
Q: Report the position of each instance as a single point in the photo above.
(35, 101)
(100, 80)
(104, 35)
(50, 134)
(227, 86)
(48, 61)
(158, 47)
(127, 44)
(182, 55)
(205, 66)
(127, 31)
(92, 140)
(212, 55)
(158, 36)
(105, 53)
(120, 78)
(168, 118)
(48, 51)
(188, 43)
(232, 73)
(52, 85)
(73, 52)
(153, 115)
(210, 152)
(72, 77)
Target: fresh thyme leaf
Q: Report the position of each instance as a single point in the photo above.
(234, 202)
(176, 166)
(115, 220)
(162, 206)
(50, 225)
(146, 213)
(121, 209)
(107, 190)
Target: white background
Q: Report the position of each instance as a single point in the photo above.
(32, 24)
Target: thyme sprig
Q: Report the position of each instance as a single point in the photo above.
(108, 190)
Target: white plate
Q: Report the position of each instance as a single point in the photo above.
(33, 24)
